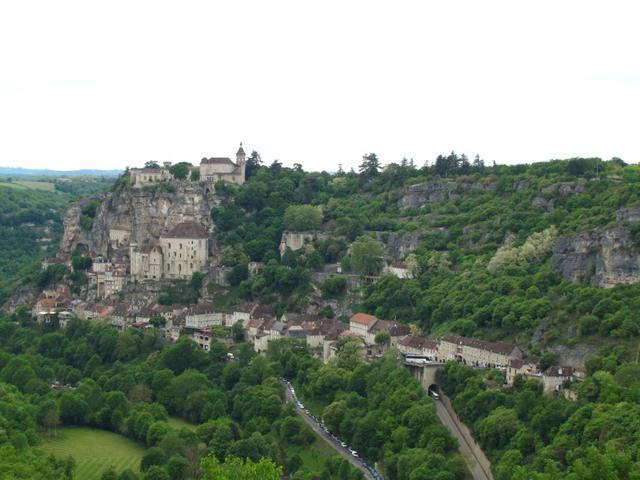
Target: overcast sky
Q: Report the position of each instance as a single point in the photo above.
(112, 84)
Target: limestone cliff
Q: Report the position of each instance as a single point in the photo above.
(145, 212)
(438, 191)
(601, 258)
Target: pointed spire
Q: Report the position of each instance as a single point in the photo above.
(240, 150)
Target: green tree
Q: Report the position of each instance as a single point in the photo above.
(236, 469)
(302, 217)
(370, 166)
(366, 256)
(180, 171)
(382, 338)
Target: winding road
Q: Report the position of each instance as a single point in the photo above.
(356, 462)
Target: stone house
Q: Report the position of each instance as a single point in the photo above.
(323, 329)
(360, 323)
(553, 379)
(201, 316)
(396, 331)
(527, 366)
(119, 316)
(202, 337)
(479, 353)
(148, 176)
(399, 269)
(252, 328)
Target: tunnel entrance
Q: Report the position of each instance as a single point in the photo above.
(433, 391)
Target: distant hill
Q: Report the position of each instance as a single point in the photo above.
(57, 173)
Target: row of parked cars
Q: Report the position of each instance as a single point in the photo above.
(374, 473)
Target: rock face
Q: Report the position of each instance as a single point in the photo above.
(630, 215)
(602, 258)
(434, 192)
(146, 213)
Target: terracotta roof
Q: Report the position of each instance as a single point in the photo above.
(398, 264)
(495, 347)
(188, 230)
(149, 248)
(217, 161)
(363, 318)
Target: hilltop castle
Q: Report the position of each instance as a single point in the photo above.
(210, 170)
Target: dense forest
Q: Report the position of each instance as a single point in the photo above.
(131, 382)
(531, 436)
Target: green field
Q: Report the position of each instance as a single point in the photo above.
(48, 186)
(32, 185)
(94, 451)
(178, 423)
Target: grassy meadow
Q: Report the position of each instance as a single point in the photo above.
(94, 451)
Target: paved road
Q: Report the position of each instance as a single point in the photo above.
(466, 449)
(356, 462)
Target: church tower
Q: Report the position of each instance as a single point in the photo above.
(240, 162)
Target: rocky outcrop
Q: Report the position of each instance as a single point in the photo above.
(146, 212)
(439, 191)
(629, 215)
(564, 189)
(602, 258)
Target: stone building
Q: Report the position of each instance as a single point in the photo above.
(399, 269)
(146, 262)
(202, 315)
(210, 169)
(418, 346)
(182, 251)
(185, 250)
(554, 378)
(529, 366)
(222, 168)
(360, 323)
(296, 240)
(479, 353)
(148, 176)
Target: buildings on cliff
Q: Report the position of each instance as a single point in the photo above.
(180, 252)
(210, 170)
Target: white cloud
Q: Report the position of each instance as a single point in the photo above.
(114, 84)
